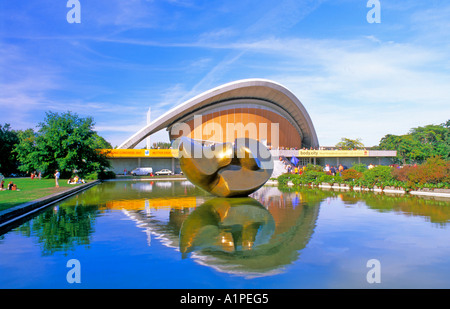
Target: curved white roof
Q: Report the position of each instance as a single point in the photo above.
(256, 89)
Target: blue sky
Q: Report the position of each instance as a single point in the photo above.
(356, 79)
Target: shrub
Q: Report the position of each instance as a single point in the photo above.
(316, 168)
(309, 177)
(101, 175)
(402, 174)
(434, 171)
(359, 167)
(378, 174)
(327, 179)
(106, 175)
(351, 174)
(283, 179)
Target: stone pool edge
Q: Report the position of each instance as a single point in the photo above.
(8, 216)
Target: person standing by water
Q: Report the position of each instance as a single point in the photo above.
(56, 178)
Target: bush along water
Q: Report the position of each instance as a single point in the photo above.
(433, 174)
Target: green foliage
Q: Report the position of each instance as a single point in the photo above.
(330, 179)
(359, 167)
(351, 174)
(102, 175)
(419, 144)
(283, 179)
(434, 171)
(65, 142)
(327, 179)
(8, 161)
(378, 175)
(25, 151)
(312, 167)
(347, 144)
(161, 145)
(106, 175)
(307, 177)
(310, 176)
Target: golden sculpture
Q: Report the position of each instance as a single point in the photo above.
(226, 169)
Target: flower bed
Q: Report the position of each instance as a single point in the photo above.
(432, 175)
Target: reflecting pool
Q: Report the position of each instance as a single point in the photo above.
(169, 234)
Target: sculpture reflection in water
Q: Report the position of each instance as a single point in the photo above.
(240, 236)
(226, 169)
(249, 237)
(228, 225)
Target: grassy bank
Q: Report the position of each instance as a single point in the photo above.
(29, 190)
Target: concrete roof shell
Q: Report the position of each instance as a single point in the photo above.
(256, 89)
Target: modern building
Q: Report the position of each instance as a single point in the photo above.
(255, 108)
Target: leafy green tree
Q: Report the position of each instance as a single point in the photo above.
(25, 151)
(347, 144)
(419, 144)
(65, 142)
(8, 140)
(161, 145)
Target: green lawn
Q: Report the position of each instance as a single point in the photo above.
(29, 190)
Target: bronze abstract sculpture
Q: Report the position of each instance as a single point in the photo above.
(226, 169)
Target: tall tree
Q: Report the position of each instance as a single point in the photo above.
(25, 151)
(65, 142)
(8, 140)
(347, 143)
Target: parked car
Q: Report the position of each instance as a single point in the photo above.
(164, 171)
(140, 171)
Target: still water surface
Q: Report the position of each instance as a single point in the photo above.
(161, 234)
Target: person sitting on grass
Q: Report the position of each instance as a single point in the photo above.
(2, 185)
(12, 186)
(75, 180)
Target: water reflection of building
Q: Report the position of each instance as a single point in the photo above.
(286, 208)
(247, 237)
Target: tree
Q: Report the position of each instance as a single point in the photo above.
(419, 144)
(161, 145)
(65, 142)
(347, 143)
(8, 139)
(25, 151)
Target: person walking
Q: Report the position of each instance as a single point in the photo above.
(56, 178)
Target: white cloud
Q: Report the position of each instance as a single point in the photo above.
(357, 88)
(364, 87)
